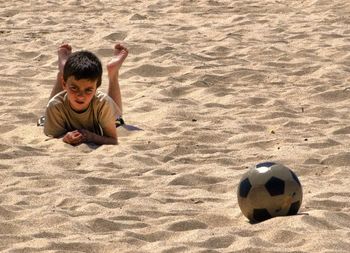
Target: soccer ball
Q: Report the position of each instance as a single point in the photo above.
(268, 190)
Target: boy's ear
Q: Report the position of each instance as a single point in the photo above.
(64, 85)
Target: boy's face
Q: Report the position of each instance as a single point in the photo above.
(79, 92)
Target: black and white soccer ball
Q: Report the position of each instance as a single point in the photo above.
(268, 190)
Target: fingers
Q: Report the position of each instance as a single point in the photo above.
(73, 138)
(85, 135)
(77, 138)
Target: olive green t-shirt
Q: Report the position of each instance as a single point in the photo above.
(60, 118)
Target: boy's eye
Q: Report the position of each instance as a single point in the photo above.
(72, 88)
(89, 91)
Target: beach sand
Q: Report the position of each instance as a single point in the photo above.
(217, 87)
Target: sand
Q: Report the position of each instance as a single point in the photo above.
(216, 86)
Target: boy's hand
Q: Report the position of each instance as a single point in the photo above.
(80, 136)
(87, 135)
(74, 138)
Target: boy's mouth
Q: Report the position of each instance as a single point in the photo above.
(79, 102)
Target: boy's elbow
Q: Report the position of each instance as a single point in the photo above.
(114, 141)
(47, 133)
(109, 141)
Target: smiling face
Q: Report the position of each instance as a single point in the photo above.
(79, 92)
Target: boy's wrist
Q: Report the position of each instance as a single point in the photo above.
(92, 137)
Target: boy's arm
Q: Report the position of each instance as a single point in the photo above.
(109, 135)
(90, 137)
(106, 115)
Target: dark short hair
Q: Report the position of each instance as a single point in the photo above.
(83, 65)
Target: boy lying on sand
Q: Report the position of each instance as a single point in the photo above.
(78, 112)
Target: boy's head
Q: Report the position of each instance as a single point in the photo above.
(82, 75)
(83, 65)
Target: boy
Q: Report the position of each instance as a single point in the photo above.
(76, 111)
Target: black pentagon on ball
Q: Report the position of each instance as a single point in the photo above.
(294, 207)
(275, 186)
(261, 215)
(265, 164)
(244, 188)
(295, 177)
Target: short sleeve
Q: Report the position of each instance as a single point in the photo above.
(106, 114)
(54, 122)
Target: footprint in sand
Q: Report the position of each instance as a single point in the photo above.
(117, 36)
(148, 161)
(332, 96)
(174, 92)
(8, 228)
(72, 247)
(163, 51)
(4, 147)
(187, 225)
(219, 242)
(326, 144)
(148, 70)
(4, 167)
(25, 174)
(104, 52)
(317, 223)
(7, 214)
(179, 249)
(92, 190)
(27, 117)
(195, 180)
(344, 130)
(341, 159)
(284, 236)
(137, 17)
(28, 55)
(6, 128)
(48, 235)
(124, 195)
(103, 181)
(137, 49)
(329, 205)
(151, 237)
(100, 225)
